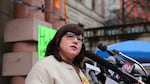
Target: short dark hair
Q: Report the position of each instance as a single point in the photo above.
(53, 46)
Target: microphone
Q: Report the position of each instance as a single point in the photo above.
(94, 78)
(104, 48)
(133, 60)
(119, 60)
(109, 65)
(100, 60)
(91, 71)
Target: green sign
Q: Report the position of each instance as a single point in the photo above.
(45, 35)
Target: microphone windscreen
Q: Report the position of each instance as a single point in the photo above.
(102, 47)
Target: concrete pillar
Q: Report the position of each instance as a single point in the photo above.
(23, 11)
(23, 46)
(22, 33)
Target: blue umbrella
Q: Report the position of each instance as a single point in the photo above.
(136, 49)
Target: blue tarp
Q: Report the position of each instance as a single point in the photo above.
(136, 49)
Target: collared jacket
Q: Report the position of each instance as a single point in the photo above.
(51, 71)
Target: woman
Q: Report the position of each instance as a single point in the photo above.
(64, 55)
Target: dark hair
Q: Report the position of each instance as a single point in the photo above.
(53, 46)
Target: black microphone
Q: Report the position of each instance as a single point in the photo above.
(100, 60)
(104, 48)
(119, 60)
(109, 65)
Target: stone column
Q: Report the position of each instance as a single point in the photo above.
(22, 46)
(22, 33)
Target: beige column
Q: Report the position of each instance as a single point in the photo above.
(23, 11)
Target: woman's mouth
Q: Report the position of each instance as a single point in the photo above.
(74, 47)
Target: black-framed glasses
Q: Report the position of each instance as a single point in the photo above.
(72, 36)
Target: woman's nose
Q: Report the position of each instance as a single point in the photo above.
(75, 40)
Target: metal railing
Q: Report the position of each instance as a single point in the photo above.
(118, 30)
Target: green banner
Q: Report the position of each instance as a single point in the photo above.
(45, 35)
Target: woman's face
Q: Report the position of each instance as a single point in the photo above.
(70, 46)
